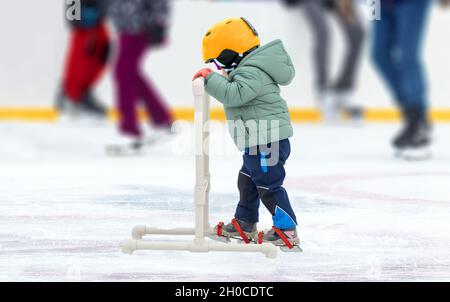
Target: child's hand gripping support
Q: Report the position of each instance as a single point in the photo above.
(203, 73)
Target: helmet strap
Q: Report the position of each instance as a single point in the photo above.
(231, 66)
(232, 63)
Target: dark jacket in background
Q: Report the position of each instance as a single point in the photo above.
(327, 3)
(137, 16)
(92, 14)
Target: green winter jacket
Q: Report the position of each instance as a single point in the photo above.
(255, 111)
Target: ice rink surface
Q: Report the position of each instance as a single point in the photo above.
(65, 207)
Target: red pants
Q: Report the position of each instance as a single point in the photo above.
(86, 60)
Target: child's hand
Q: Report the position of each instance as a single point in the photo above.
(203, 73)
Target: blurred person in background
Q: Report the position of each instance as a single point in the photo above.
(397, 52)
(85, 62)
(335, 97)
(141, 25)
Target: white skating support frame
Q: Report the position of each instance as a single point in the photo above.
(200, 243)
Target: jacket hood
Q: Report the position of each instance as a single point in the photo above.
(273, 59)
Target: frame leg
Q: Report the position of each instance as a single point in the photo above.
(130, 246)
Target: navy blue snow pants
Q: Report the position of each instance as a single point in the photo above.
(260, 179)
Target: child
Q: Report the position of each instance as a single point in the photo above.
(259, 123)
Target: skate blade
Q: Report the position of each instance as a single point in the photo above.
(147, 145)
(295, 249)
(220, 239)
(398, 153)
(159, 139)
(251, 239)
(415, 155)
(119, 151)
(81, 119)
(227, 239)
(239, 240)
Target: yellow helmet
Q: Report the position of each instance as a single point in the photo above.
(235, 35)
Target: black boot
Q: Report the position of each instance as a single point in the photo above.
(415, 137)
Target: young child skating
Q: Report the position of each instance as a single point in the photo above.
(259, 123)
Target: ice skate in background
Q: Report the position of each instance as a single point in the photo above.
(414, 139)
(328, 107)
(125, 145)
(88, 108)
(348, 109)
(338, 107)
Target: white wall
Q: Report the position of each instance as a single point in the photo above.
(34, 36)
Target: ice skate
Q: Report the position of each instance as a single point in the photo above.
(236, 229)
(87, 108)
(328, 108)
(287, 240)
(349, 111)
(126, 145)
(159, 135)
(93, 106)
(413, 142)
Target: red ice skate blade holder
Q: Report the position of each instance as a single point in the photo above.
(219, 228)
(240, 231)
(284, 238)
(260, 237)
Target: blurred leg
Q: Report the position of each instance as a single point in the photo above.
(411, 22)
(77, 65)
(316, 15)
(383, 50)
(354, 34)
(155, 106)
(99, 53)
(126, 75)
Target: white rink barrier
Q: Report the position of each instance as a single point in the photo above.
(203, 231)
